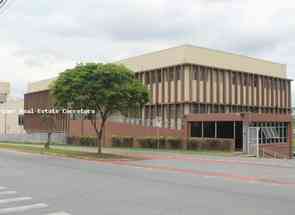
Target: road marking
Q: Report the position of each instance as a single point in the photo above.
(59, 213)
(7, 192)
(4, 201)
(22, 208)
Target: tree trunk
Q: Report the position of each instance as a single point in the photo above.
(98, 142)
(99, 133)
(99, 136)
(47, 144)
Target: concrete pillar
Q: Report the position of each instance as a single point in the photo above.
(290, 139)
(245, 136)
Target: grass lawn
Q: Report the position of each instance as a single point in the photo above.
(62, 152)
(179, 151)
(89, 153)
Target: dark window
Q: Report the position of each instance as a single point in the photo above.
(147, 78)
(153, 77)
(195, 73)
(246, 80)
(255, 81)
(178, 73)
(234, 78)
(209, 129)
(204, 74)
(195, 108)
(225, 130)
(21, 120)
(159, 74)
(203, 108)
(171, 75)
(196, 129)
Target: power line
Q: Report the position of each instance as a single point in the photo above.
(4, 4)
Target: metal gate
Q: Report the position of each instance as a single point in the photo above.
(253, 141)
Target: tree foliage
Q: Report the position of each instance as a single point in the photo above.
(106, 89)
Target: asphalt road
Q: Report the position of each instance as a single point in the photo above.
(168, 185)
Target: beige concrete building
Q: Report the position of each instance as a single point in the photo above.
(212, 94)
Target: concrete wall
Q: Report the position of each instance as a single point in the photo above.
(275, 150)
(32, 138)
(9, 116)
(206, 57)
(79, 128)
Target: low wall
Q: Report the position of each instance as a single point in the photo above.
(211, 144)
(278, 150)
(32, 138)
(79, 128)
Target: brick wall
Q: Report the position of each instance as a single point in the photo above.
(84, 128)
(275, 150)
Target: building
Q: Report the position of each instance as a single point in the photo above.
(4, 91)
(10, 112)
(208, 94)
(11, 117)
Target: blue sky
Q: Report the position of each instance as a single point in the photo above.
(39, 39)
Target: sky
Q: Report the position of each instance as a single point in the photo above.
(39, 39)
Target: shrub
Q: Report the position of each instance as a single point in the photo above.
(118, 141)
(173, 143)
(83, 141)
(161, 142)
(210, 144)
(88, 141)
(194, 144)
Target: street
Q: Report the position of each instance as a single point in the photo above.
(161, 184)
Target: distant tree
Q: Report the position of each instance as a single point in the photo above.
(106, 89)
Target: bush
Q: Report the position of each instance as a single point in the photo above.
(88, 141)
(211, 144)
(162, 143)
(83, 141)
(122, 141)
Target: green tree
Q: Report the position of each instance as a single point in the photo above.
(106, 89)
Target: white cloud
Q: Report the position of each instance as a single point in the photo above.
(39, 39)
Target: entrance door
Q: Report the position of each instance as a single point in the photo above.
(253, 141)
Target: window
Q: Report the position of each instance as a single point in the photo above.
(255, 81)
(234, 78)
(159, 74)
(196, 129)
(203, 108)
(171, 75)
(20, 120)
(246, 80)
(204, 74)
(195, 73)
(225, 130)
(177, 73)
(209, 129)
(195, 108)
(147, 78)
(153, 77)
